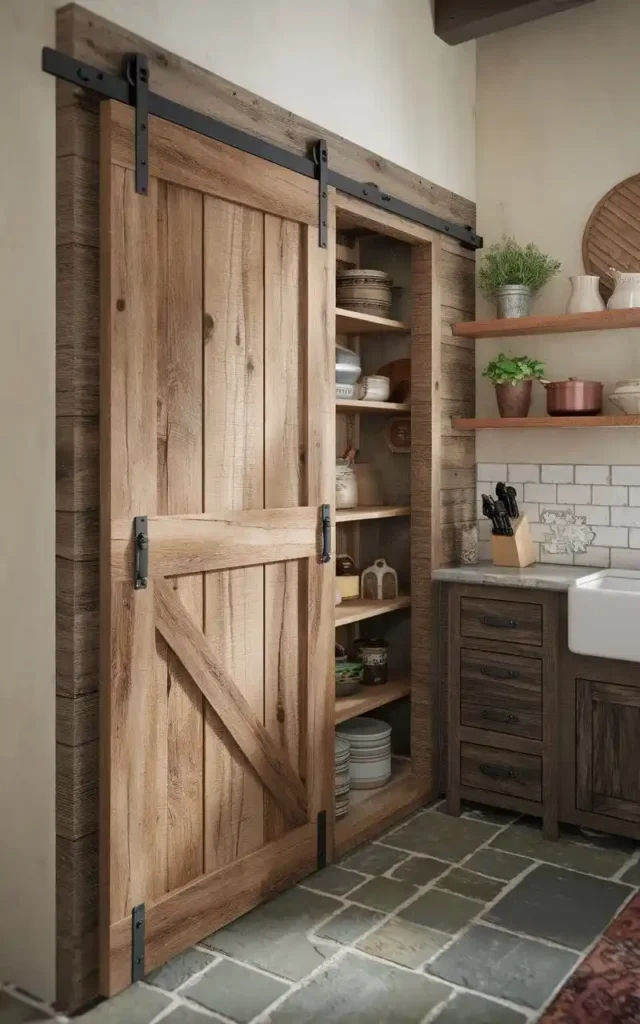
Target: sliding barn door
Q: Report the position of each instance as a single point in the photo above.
(217, 413)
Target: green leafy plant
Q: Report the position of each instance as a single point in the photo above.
(510, 263)
(513, 369)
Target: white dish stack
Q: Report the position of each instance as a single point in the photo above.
(370, 751)
(342, 781)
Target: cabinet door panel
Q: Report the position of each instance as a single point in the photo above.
(607, 763)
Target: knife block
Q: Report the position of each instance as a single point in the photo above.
(517, 551)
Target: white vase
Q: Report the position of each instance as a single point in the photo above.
(626, 294)
(585, 295)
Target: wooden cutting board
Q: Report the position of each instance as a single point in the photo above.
(612, 234)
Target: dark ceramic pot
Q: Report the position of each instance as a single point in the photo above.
(514, 399)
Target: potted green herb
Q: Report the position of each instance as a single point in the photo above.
(513, 377)
(512, 273)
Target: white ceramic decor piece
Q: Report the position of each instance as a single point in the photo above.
(626, 396)
(626, 294)
(585, 294)
(379, 582)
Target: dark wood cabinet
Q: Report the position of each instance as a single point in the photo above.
(608, 749)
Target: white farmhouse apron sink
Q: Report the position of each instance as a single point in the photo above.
(604, 615)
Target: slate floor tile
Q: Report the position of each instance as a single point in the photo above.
(419, 870)
(495, 963)
(14, 1011)
(383, 894)
(235, 991)
(562, 906)
(136, 1005)
(355, 990)
(632, 875)
(349, 924)
(527, 840)
(467, 1008)
(497, 864)
(467, 883)
(174, 973)
(274, 935)
(492, 815)
(404, 943)
(334, 880)
(444, 911)
(372, 859)
(441, 836)
(185, 1015)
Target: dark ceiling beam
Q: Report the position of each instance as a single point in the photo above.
(457, 21)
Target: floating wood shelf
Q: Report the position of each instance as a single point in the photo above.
(371, 809)
(350, 322)
(536, 422)
(357, 515)
(371, 697)
(566, 323)
(359, 609)
(353, 405)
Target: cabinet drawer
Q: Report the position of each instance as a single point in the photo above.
(510, 621)
(501, 771)
(501, 692)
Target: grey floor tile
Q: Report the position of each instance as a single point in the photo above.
(174, 973)
(404, 943)
(443, 911)
(527, 840)
(334, 880)
(562, 906)
(274, 935)
(372, 859)
(349, 925)
(355, 990)
(441, 836)
(632, 875)
(606, 842)
(497, 864)
(492, 815)
(236, 991)
(420, 870)
(136, 1005)
(383, 894)
(468, 883)
(495, 963)
(468, 1008)
(14, 1011)
(185, 1015)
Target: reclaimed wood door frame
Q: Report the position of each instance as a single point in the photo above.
(275, 527)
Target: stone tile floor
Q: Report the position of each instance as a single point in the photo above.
(471, 920)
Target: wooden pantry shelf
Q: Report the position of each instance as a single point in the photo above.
(566, 323)
(355, 405)
(371, 697)
(357, 515)
(371, 810)
(537, 422)
(360, 609)
(350, 322)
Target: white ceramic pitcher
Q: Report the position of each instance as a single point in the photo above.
(626, 294)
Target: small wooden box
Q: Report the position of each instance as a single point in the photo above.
(517, 551)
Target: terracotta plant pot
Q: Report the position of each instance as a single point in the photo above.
(514, 399)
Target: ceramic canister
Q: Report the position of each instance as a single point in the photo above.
(375, 659)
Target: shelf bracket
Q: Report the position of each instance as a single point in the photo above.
(137, 943)
(322, 840)
(137, 73)
(321, 158)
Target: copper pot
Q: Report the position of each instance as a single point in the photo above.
(573, 397)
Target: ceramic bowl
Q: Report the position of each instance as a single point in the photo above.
(375, 388)
(348, 368)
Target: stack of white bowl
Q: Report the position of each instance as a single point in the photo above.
(342, 782)
(370, 755)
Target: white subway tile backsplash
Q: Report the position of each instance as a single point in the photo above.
(634, 538)
(600, 558)
(530, 509)
(571, 494)
(540, 492)
(539, 531)
(625, 516)
(491, 471)
(523, 473)
(609, 496)
(634, 495)
(611, 536)
(594, 515)
(593, 474)
(625, 475)
(625, 559)
(484, 550)
(484, 529)
(556, 474)
(563, 559)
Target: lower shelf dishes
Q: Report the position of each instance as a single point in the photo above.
(342, 781)
(370, 751)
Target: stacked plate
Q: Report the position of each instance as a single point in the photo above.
(370, 751)
(343, 784)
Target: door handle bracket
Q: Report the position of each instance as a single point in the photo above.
(141, 549)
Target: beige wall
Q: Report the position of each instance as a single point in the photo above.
(557, 123)
(27, 341)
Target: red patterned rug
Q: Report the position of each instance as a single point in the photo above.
(605, 988)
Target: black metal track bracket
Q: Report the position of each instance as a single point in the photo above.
(322, 840)
(137, 943)
(321, 156)
(137, 72)
(141, 549)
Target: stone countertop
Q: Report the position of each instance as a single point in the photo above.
(535, 577)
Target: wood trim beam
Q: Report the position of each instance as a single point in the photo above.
(458, 21)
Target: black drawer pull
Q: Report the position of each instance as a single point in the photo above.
(500, 716)
(500, 673)
(498, 622)
(498, 771)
